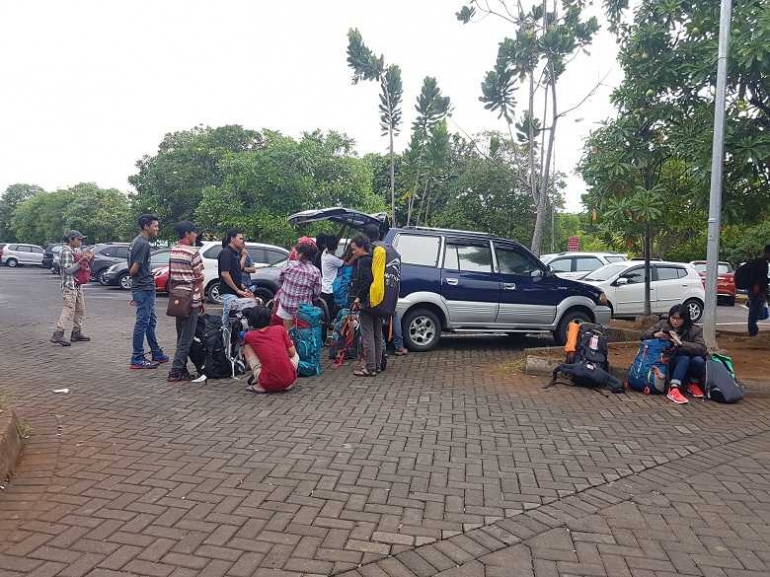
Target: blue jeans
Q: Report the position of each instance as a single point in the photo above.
(683, 367)
(227, 301)
(398, 332)
(756, 307)
(146, 321)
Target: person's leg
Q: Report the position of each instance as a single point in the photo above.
(65, 318)
(140, 325)
(379, 343)
(152, 340)
(80, 313)
(185, 331)
(252, 361)
(697, 372)
(366, 321)
(398, 335)
(680, 366)
(756, 303)
(227, 301)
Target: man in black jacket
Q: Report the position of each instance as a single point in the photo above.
(370, 322)
(758, 290)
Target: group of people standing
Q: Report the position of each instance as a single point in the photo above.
(309, 275)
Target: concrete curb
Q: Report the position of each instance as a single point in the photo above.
(10, 443)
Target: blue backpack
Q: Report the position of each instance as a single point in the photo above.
(650, 367)
(308, 339)
(341, 286)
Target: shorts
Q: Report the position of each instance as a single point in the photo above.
(283, 314)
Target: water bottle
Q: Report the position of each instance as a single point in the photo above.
(594, 345)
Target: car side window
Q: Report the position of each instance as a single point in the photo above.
(471, 257)
(681, 273)
(109, 251)
(121, 252)
(213, 252)
(273, 256)
(512, 261)
(558, 265)
(418, 249)
(257, 255)
(159, 258)
(634, 276)
(587, 264)
(667, 272)
(37, 250)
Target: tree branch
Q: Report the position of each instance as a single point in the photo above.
(586, 97)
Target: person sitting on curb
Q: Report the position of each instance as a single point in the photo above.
(270, 354)
(688, 363)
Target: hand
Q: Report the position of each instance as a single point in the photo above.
(662, 335)
(245, 294)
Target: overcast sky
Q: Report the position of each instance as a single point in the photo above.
(91, 86)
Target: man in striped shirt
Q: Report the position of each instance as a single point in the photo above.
(185, 268)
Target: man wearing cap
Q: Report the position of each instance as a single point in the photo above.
(185, 268)
(71, 261)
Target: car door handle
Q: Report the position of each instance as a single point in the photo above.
(509, 286)
(452, 281)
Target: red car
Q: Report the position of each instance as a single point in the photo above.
(726, 289)
(161, 279)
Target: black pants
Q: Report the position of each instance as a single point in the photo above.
(185, 332)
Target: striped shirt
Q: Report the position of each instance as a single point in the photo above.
(186, 267)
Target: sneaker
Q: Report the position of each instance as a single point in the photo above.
(676, 396)
(161, 358)
(694, 390)
(143, 364)
(179, 377)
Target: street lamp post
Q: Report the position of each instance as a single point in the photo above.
(715, 199)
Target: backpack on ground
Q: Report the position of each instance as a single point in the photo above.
(211, 347)
(649, 370)
(307, 335)
(345, 336)
(719, 384)
(743, 275)
(587, 362)
(386, 283)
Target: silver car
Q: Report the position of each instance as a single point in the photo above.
(18, 254)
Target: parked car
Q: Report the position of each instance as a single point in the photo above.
(575, 265)
(2, 246)
(726, 289)
(264, 282)
(261, 254)
(161, 275)
(21, 254)
(106, 255)
(671, 283)
(56, 257)
(48, 254)
(465, 281)
(117, 274)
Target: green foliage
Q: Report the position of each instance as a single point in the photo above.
(13, 195)
(390, 100)
(741, 244)
(364, 63)
(101, 214)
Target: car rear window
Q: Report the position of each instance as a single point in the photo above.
(417, 249)
(561, 265)
(617, 258)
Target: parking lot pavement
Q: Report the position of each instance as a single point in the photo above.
(450, 463)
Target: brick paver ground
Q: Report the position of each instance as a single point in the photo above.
(451, 463)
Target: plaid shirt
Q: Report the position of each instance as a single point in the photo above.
(300, 283)
(67, 259)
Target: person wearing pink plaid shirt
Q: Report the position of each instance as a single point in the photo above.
(300, 283)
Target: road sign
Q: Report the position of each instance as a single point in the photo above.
(574, 243)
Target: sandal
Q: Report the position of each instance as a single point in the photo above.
(402, 352)
(364, 373)
(256, 390)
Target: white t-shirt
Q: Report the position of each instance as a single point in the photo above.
(330, 265)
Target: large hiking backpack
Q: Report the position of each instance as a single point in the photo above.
(649, 370)
(719, 384)
(743, 275)
(307, 335)
(209, 344)
(587, 358)
(345, 335)
(341, 286)
(386, 283)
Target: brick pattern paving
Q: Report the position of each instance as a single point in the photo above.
(448, 464)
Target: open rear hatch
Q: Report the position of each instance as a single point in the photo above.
(347, 217)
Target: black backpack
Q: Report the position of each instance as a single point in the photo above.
(208, 332)
(743, 275)
(589, 365)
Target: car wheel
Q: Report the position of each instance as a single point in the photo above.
(212, 293)
(100, 277)
(265, 294)
(730, 301)
(422, 330)
(12, 262)
(560, 334)
(695, 308)
(125, 281)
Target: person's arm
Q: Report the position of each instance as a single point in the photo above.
(229, 282)
(654, 332)
(67, 262)
(138, 255)
(335, 261)
(291, 350)
(365, 280)
(695, 347)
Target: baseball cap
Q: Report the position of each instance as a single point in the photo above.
(184, 227)
(74, 234)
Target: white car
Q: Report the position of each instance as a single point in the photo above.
(261, 254)
(20, 254)
(671, 283)
(576, 265)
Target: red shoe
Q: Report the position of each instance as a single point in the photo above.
(676, 396)
(694, 390)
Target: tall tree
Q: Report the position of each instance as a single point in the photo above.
(367, 66)
(13, 195)
(537, 54)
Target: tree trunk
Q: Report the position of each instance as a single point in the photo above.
(647, 269)
(392, 177)
(542, 206)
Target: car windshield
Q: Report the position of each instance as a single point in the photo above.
(606, 272)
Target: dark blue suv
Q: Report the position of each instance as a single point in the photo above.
(461, 281)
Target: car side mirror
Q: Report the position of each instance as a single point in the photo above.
(537, 274)
(621, 281)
